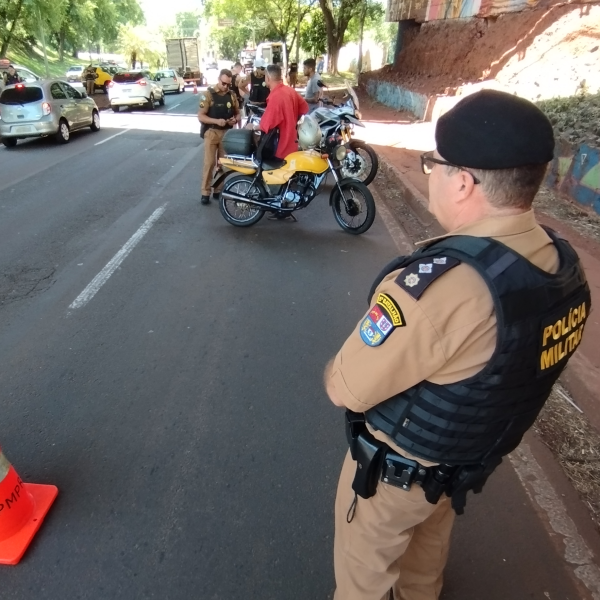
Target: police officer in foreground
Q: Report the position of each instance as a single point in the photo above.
(458, 352)
(218, 112)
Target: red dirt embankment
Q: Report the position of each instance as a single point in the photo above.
(539, 53)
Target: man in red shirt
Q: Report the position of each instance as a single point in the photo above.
(284, 107)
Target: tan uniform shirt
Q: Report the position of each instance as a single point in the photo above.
(450, 332)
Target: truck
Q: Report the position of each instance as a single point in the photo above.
(183, 55)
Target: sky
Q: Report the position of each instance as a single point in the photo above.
(159, 12)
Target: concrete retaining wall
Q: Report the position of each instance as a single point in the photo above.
(397, 97)
(575, 171)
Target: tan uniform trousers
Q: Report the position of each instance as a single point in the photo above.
(397, 540)
(213, 148)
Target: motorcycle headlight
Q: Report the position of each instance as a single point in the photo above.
(358, 115)
(340, 153)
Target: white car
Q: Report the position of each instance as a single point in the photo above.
(170, 81)
(74, 73)
(135, 88)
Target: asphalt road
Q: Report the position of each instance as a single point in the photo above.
(179, 406)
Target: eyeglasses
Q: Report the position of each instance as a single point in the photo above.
(224, 83)
(427, 158)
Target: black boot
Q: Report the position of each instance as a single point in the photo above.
(205, 200)
(216, 196)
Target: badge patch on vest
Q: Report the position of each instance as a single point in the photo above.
(382, 319)
(419, 275)
(560, 335)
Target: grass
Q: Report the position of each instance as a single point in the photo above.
(33, 59)
(338, 80)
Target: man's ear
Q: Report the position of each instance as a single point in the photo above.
(465, 185)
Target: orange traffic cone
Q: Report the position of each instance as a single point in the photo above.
(23, 507)
(195, 88)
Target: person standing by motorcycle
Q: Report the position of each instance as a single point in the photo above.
(259, 90)
(284, 107)
(293, 75)
(312, 95)
(217, 113)
(236, 70)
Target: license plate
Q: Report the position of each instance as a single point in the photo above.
(22, 129)
(126, 90)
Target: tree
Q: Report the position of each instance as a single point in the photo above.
(140, 44)
(231, 40)
(370, 17)
(187, 23)
(337, 15)
(313, 34)
(268, 20)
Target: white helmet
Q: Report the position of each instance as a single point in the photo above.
(260, 62)
(309, 132)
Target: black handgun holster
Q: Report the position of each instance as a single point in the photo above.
(367, 451)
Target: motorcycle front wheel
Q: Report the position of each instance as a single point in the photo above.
(353, 207)
(361, 162)
(236, 212)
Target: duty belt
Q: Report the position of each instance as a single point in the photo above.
(376, 461)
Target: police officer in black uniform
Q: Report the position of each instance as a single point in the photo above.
(457, 354)
(218, 112)
(259, 91)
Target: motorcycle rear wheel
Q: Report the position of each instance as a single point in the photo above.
(240, 214)
(363, 165)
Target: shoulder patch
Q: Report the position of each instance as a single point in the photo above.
(419, 275)
(382, 319)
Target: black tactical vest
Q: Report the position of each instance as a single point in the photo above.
(540, 320)
(221, 107)
(259, 91)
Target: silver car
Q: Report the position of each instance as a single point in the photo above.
(170, 81)
(43, 108)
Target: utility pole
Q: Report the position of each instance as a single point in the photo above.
(43, 36)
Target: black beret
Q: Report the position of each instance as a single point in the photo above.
(494, 130)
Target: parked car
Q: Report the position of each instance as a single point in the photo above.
(74, 73)
(43, 108)
(170, 81)
(135, 88)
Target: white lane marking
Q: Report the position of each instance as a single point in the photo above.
(538, 488)
(92, 289)
(112, 136)
(174, 106)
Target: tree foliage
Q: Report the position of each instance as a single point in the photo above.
(313, 34)
(230, 40)
(72, 24)
(266, 20)
(139, 44)
(337, 15)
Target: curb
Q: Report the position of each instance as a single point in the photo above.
(415, 200)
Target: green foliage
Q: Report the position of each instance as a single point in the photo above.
(313, 34)
(187, 23)
(374, 18)
(231, 41)
(576, 119)
(72, 24)
(267, 20)
(139, 44)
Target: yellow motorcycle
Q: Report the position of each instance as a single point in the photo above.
(254, 185)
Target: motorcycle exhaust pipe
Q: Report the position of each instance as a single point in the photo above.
(240, 198)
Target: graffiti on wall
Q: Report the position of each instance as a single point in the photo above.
(576, 172)
(432, 10)
(398, 97)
